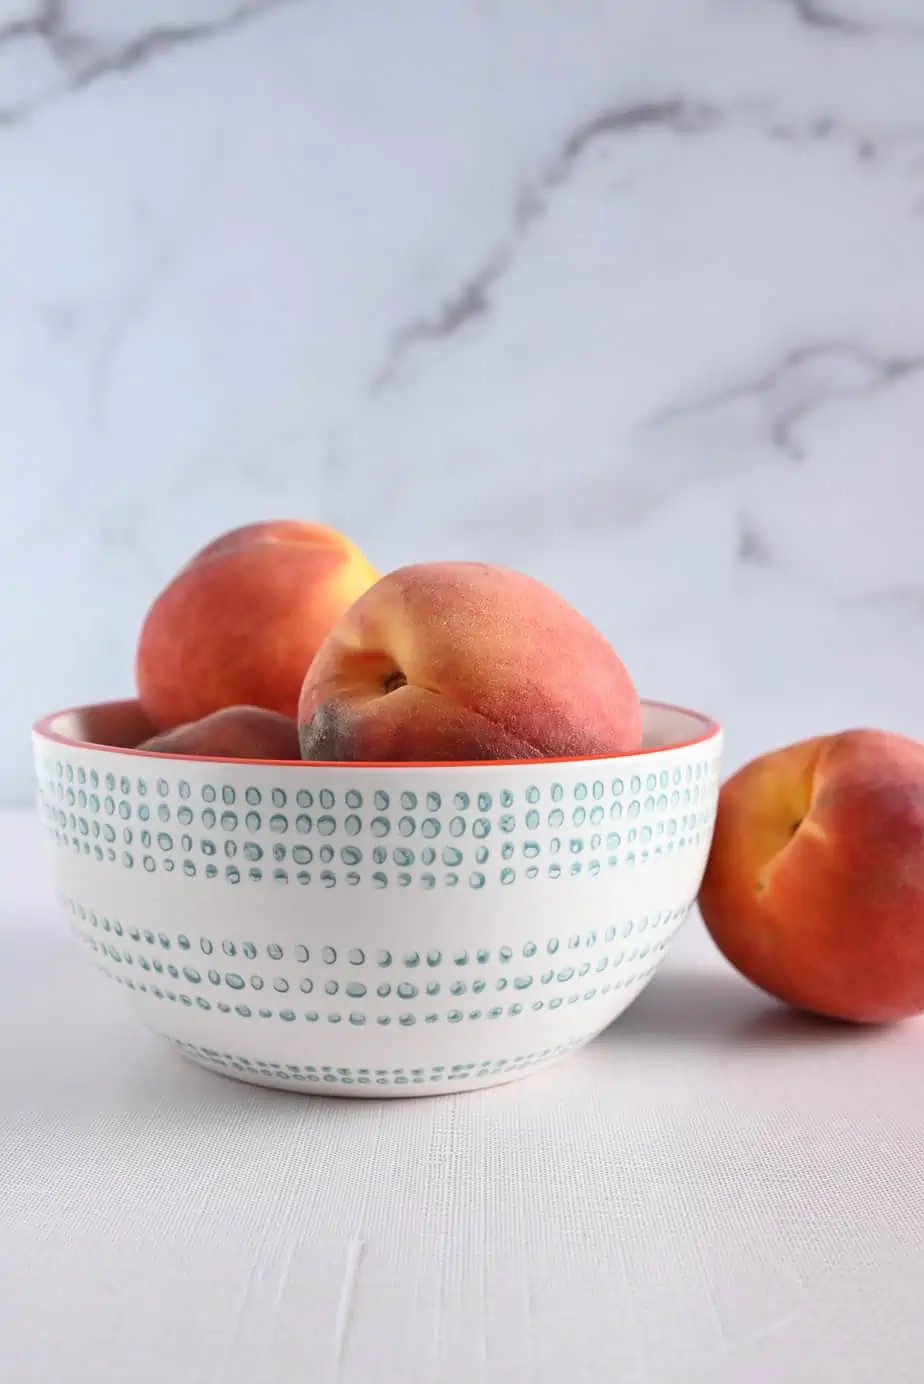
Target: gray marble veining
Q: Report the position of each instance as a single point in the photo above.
(628, 295)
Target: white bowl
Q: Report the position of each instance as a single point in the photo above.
(381, 930)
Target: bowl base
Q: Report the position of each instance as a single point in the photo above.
(373, 1087)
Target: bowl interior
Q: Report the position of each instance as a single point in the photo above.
(123, 725)
(664, 725)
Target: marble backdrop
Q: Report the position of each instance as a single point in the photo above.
(627, 293)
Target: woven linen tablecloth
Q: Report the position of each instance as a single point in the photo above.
(715, 1192)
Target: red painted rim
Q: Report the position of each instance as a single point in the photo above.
(42, 728)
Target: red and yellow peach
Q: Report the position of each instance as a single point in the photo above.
(241, 622)
(236, 732)
(463, 661)
(815, 885)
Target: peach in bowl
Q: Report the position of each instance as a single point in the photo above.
(375, 929)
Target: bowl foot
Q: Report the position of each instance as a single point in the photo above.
(374, 1086)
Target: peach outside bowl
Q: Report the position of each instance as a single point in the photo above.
(375, 930)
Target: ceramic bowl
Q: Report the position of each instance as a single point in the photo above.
(378, 930)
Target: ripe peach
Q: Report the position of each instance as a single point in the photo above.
(236, 732)
(461, 660)
(815, 885)
(240, 623)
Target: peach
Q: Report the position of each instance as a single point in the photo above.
(240, 623)
(463, 661)
(236, 732)
(815, 884)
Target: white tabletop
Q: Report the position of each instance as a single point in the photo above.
(716, 1190)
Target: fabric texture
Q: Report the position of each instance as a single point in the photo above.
(715, 1192)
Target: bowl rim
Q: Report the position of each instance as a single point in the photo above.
(42, 729)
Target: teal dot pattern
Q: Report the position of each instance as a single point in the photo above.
(375, 839)
(273, 969)
(331, 984)
(446, 1076)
